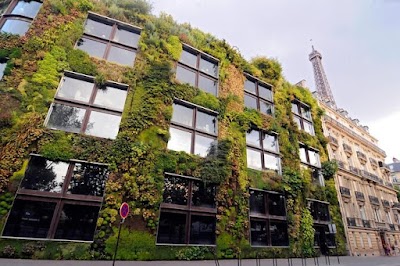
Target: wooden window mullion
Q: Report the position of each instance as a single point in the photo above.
(55, 219)
(85, 119)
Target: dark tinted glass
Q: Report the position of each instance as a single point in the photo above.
(15, 26)
(77, 222)
(250, 86)
(202, 230)
(185, 76)
(250, 102)
(279, 233)
(182, 115)
(67, 118)
(180, 140)
(208, 67)
(29, 219)
(202, 145)
(171, 228)
(271, 162)
(203, 194)
(2, 68)
(93, 48)
(75, 89)
(126, 37)
(176, 190)
(44, 175)
(259, 234)
(111, 97)
(98, 29)
(188, 59)
(323, 212)
(254, 159)
(253, 137)
(270, 142)
(103, 125)
(276, 205)
(206, 122)
(208, 85)
(257, 202)
(121, 56)
(266, 108)
(27, 8)
(88, 179)
(265, 93)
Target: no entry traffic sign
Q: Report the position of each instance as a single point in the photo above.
(124, 210)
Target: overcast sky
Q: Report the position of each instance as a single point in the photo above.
(359, 41)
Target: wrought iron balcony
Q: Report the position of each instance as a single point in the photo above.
(362, 156)
(392, 227)
(381, 225)
(374, 200)
(351, 221)
(333, 141)
(345, 192)
(360, 196)
(386, 203)
(396, 205)
(371, 177)
(373, 162)
(347, 148)
(366, 223)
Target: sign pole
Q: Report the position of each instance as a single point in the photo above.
(123, 212)
(116, 246)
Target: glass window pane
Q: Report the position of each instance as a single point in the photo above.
(2, 68)
(180, 140)
(126, 37)
(88, 179)
(188, 59)
(103, 125)
(250, 102)
(208, 85)
(77, 222)
(75, 89)
(182, 115)
(121, 56)
(184, 75)
(254, 159)
(27, 8)
(314, 158)
(253, 137)
(265, 93)
(297, 121)
(209, 67)
(203, 194)
(259, 235)
(279, 233)
(202, 145)
(303, 156)
(98, 29)
(305, 111)
(66, 118)
(257, 202)
(270, 142)
(206, 122)
(308, 127)
(93, 48)
(44, 175)
(295, 108)
(271, 162)
(176, 190)
(202, 230)
(29, 219)
(171, 228)
(111, 97)
(250, 86)
(276, 205)
(15, 26)
(266, 108)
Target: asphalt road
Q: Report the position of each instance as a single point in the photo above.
(344, 261)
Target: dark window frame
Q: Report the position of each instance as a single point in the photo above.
(110, 42)
(266, 217)
(196, 70)
(8, 16)
(189, 210)
(259, 99)
(193, 129)
(303, 119)
(308, 162)
(60, 198)
(89, 106)
(311, 205)
(263, 150)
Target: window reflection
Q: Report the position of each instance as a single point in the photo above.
(88, 179)
(127, 37)
(202, 145)
(279, 233)
(202, 230)
(271, 162)
(103, 125)
(208, 85)
(99, 29)
(171, 228)
(258, 231)
(270, 142)
(75, 89)
(206, 122)
(188, 59)
(15, 26)
(111, 97)
(203, 194)
(276, 204)
(121, 56)
(250, 86)
(265, 93)
(266, 108)
(180, 140)
(208, 67)
(27, 8)
(2, 68)
(253, 138)
(254, 159)
(93, 48)
(250, 102)
(185, 76)
(257, 202)
(182, 115)
(66, 118)
(176, 190)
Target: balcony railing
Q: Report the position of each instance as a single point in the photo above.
(386, 203)
(396, 205)
(351, 221)
(366, 223)
(374, 200)
(381, 225)
(360, 196)
(361, 156)
(347, 148)
(392, 227)
(333, 140)
(373, 162)
(345, 191)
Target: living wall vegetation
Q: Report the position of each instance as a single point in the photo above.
(138, 158)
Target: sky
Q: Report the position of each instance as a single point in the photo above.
(359, 41)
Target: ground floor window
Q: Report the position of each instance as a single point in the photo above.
(188, 212)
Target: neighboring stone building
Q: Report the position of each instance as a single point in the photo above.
(395, 171)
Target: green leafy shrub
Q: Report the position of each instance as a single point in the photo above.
(192, 253)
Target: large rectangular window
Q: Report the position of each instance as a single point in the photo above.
(110, 39)
(3, 65)
(319, 211)
(268, 225)
(302, 116)
(258, 95)
(19, 16)
(193, 129)
(262, 151)
(188, 212)
(198, 70)
(57, 200)
(81, 106)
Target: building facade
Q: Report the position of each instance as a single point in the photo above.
(395, 171)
